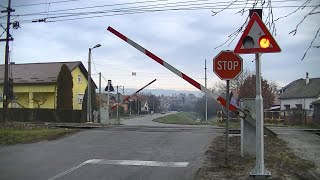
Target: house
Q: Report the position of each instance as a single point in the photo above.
(35, 84)
(112, 100)
(300, 94)
(139, 100)
(143, 101)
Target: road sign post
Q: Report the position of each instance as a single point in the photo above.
(227, 66)
(227, 123)
(257, 39)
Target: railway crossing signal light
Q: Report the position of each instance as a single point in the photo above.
(256, 38)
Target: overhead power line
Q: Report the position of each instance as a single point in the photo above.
(159, 7)
(135, 12)
(37, 4)
(176, 4)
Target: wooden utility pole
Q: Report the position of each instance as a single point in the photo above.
(6, 62)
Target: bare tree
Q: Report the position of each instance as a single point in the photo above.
(273, 86)
(238, 82)
(219, 88)
(39, 101)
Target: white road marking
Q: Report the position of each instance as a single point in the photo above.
(68, 171)
(123, 162)
(140, 163)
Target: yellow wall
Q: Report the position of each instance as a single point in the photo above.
(25, 92)
(78, 87)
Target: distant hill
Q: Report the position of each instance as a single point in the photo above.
(165, 92)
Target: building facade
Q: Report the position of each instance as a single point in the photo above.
(35, 84)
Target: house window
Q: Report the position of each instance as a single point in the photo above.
(310, 106)
(79, 79)
(286, 106)
(80, 98)
(1, 97)
(299, 106)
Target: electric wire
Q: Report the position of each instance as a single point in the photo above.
(241, 2)
(175, 6)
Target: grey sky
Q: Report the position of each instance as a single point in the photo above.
(182, 38)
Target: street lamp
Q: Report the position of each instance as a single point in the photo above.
(89, 84)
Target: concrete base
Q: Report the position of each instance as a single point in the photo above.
(266, 175)
(104, 115)
(248, 139)
(248, 131)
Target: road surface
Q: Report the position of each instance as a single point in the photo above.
(118, 152)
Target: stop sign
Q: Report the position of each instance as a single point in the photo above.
(227, 65)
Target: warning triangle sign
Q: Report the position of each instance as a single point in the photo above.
(256, 38)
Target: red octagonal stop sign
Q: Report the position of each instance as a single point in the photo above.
(227, 65)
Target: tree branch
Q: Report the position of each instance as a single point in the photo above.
(233, 35)
(296, 29)
(311, 44)
(299, 8)
(215, 13)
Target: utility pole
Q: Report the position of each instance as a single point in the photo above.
(89, 108)
(205, 80)
(99, 119)
(6, 62)
(123, 90)
(89, 88)
(117, 99)
(153, 104)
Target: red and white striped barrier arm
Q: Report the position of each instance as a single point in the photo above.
(127, 98)
(173, 69)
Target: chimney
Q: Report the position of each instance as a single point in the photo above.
(307, 78)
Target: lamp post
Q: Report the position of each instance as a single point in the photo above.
(89, 84)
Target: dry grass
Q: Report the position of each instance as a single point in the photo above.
(279, 160)
(16, 133)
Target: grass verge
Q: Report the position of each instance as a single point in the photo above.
(11, 135)
(279, 160)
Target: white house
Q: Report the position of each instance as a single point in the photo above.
(300, 94)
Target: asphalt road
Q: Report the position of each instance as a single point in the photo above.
(119, 152)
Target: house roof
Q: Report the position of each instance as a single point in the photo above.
(299, 89)
(316, 102)
(39, 72)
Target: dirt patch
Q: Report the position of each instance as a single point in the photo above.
(279, 160)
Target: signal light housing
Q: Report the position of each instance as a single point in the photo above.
(248, 42)
(264, 42)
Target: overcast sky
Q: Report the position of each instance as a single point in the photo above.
(182, 38)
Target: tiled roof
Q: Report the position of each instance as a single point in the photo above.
(39, 72)
(299, 89)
